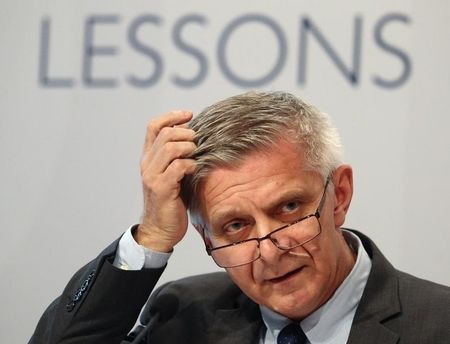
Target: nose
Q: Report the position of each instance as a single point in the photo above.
(269, 252)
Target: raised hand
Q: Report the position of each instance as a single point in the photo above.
(164, 164)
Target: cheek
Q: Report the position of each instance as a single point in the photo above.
(323, 255)
(242, 276)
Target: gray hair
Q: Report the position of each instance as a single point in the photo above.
(231, 129)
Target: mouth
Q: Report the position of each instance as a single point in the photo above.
(286, 277)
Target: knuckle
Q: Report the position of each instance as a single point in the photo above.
(165, 132)
(193, 146)
(189, 132)
(147, 178)
(153, 184)
(178, 164)
(171, 149)
(184, 165)
(152, 126)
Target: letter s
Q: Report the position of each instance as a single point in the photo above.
(190, 50)
(145, 50)
(390, 48)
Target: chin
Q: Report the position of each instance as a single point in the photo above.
(297, 305)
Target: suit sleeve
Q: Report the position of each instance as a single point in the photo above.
(100, 304)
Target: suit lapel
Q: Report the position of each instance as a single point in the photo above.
(371, 332)
(379, 302)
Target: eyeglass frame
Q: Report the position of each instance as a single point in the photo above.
(316, 214)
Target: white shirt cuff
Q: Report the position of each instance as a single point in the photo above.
(132, 256)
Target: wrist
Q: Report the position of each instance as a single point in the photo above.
(151, 240)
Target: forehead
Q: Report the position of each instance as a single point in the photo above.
(261, 178)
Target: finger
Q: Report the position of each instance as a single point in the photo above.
(178, 169)
(168, 183)
(164, 156)
(169, 152)
(168, 134)
(168, 120)
(184, 125)
(162, 151)
(165, 136)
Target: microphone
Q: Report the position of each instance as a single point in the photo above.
(164, 308)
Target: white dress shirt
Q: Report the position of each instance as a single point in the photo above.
(132, 256)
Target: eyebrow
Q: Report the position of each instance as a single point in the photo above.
(300, 194)
(292, 194)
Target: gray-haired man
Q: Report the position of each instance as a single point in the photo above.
(263, 179)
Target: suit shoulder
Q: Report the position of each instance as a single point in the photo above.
(212, 288)
(415, 284)
(417, 293)
(213, 278)
(205, 284)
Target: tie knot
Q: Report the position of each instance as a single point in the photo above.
(292, 334)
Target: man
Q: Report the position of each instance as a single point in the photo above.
(263, 179)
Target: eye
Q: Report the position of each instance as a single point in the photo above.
(234, 227)
(290, 207)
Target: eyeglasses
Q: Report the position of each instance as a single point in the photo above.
(287, 237)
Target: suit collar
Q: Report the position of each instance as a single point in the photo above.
(379, 302)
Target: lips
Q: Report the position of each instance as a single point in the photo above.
(286, 277)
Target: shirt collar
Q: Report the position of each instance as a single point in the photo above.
(332, 321)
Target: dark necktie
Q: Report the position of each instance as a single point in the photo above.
(292, 334)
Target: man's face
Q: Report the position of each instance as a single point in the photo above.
(261, 195)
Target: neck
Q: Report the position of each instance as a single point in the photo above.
(348, 261)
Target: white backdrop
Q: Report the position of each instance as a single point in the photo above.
(80, 80)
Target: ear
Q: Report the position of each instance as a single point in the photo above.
(343, 191)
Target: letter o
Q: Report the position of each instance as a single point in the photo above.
(223, 41)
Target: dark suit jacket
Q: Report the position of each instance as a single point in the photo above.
(101, 303)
